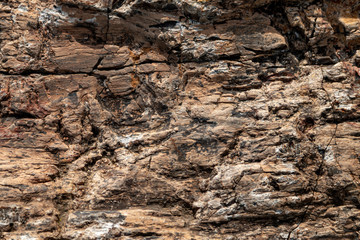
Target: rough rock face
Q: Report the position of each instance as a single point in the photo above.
(179, 119)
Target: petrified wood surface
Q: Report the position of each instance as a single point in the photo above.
(179, 119)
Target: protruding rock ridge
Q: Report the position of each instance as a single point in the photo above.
(179, 119)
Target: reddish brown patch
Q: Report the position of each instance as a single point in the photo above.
(135, 81)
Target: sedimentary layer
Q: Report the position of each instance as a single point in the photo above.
(179, 119)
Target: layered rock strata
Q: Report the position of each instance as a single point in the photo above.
(179, 119)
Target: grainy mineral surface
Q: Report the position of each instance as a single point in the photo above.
(179, 119)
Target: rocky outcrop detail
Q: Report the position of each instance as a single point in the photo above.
(179, 119)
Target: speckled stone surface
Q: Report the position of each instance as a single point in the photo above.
(179, 119)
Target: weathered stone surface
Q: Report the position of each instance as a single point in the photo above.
(186, 119)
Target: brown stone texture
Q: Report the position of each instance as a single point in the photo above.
(179, 119)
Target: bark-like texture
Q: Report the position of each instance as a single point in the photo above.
(179, 119)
